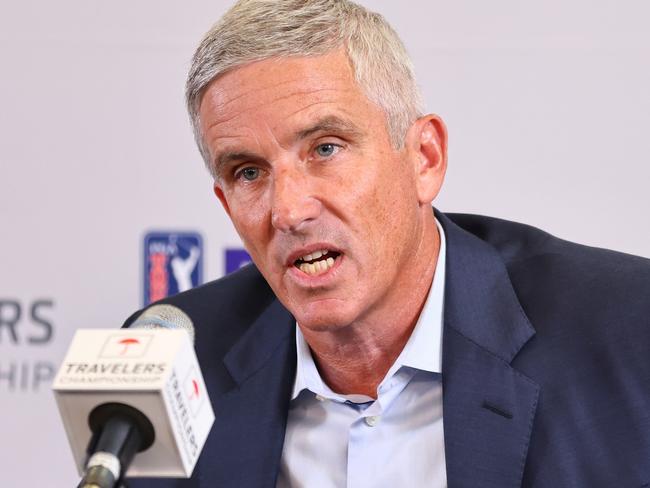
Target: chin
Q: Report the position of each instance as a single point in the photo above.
(323, 318)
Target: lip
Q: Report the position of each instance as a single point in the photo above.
(303, 251)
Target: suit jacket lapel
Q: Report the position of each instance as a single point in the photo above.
(248, 434)
(488, 406)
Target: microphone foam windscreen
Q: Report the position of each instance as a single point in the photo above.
(164, 316)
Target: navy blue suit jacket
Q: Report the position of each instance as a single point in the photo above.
(546, 365)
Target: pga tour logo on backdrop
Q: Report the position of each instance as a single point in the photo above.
(173, 262)
(119, 346)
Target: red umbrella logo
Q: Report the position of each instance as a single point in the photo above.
(126, 343)
(195, 389)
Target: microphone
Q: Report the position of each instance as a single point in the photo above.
(133, 401)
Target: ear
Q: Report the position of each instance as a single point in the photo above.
(218, 191)
(427, 140)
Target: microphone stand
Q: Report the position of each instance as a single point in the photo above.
(119, 432)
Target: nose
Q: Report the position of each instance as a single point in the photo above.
(294, 202)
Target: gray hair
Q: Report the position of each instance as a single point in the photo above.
(254, 30)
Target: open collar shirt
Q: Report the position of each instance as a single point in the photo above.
(355, 441)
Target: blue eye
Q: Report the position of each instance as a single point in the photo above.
(326, 150)
(249, 173)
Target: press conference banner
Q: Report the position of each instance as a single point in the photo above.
(105, 205)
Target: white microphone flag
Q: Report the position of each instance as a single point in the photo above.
(154, 371)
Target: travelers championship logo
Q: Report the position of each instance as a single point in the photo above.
(194, 391)
(120, 346)
(235, 259)
(173, 262)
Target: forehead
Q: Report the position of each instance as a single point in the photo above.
(282, 95)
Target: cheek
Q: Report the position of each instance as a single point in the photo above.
(371, 212)
(250, 218)
(248, 215)
(394, 207)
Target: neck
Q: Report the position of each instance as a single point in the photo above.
(355, 359)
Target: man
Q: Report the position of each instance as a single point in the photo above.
(375, 343)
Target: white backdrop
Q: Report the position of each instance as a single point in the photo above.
(547, 105)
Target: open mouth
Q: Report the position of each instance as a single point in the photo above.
(316, 263)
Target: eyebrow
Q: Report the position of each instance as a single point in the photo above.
(330, 123)
(228, 157)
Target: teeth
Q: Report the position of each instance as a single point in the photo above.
(314, 255)
(317, 268)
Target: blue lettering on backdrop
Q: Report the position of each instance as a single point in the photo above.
(235, 259)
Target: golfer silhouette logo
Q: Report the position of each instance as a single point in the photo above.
(183, 268)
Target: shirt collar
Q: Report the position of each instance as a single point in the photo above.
(422, 351)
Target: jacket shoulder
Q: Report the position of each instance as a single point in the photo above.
(529, 251)
(585, 303)
(561, 283)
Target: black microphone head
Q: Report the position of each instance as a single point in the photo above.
(164, 316)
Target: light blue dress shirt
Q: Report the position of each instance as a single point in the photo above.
(335, 441)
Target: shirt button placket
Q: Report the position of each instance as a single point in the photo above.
(372, 420)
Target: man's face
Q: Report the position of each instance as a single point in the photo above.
(305, 167)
